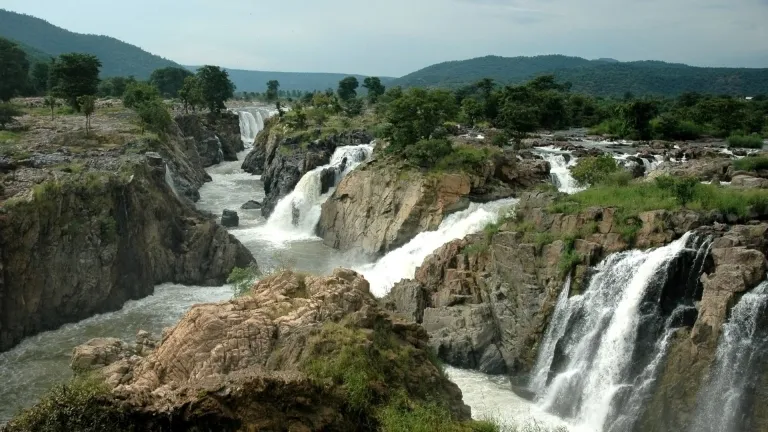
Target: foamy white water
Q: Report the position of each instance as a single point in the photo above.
(401, 263)
(560, 163)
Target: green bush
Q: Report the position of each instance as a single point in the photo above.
(139, 93)
(500, 140)
(242, 279)
(7, 113)
(752, 163)
(426, 153)
(745, 141)
(594, 170)
(669, 127)
(613, 127)
(621, 177)
(464, 158)
(154, 116)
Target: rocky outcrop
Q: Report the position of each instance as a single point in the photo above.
(229, 219)
(88, 242)
(384, 204)
(288, 158)
(216, 136)
(300, 353)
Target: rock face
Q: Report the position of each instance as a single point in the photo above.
(251, 205)
(229, 219)
(278, 360)
(102, 239)
(287, 159)
(216, 136)
(381, 206)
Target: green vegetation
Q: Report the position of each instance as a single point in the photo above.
(191, 94)
(169, 80)
(139, 93)
(74, 75)
(82, 404)
(119, 58)
(215, 86)
(751, 163)
(745, 141)
(594, 170)
(87, 107)
(375, 88)
(115, 86)
(14, 70)
(154, 116)
(347, 88)
(594, 77)
(242, 279)
(273, 87)
(8, 112)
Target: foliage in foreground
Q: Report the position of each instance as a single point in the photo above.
(745, 141)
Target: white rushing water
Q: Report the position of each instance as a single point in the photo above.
(560, 163)
(401, 263)
(252, 122)
(296, 216)
(555, 331)
(169, 180)
(741, 355)
(601, 342)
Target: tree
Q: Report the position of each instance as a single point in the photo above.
(637, 115)
(215, 87)
(14, 70)
(375, 88)
(40, 74)
(353, 107)
(50, 102)
(191, 94)
(169, 80)
(416, 115)
(593, 170)
(7, 113)
(87, 107)
(154, 116)
(273, 87)
(348, 88)
(471, 111)
(139, 93)
(74, 75)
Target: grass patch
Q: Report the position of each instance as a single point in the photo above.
(745, 141)
(9, 136)
(464, 158)
(751, 163)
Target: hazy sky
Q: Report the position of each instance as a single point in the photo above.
(396, 37)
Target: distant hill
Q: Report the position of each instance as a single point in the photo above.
(118, 58)
(602, 77)
(256, 81)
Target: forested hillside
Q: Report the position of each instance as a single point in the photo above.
(118, 58)
(256, 81)
(603, 77)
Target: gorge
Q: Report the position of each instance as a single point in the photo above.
(599, 347)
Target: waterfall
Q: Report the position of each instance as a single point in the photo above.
(169, 180)
(740, 360)
(560, 162)
(220, 154)
(249, 127)
(402, 263)
(598, 368)
(299, 212)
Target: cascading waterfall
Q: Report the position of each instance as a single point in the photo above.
(401, 263)
(741, 357)
(599, 358)
(299, 212)
(560, 163)
(169, 180)
(248, 128)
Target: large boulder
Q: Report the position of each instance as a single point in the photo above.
(229, 218)
(299, 353)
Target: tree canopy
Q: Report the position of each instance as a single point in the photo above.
(375, 88)
(74, 75)
(215, 87)
(169, 80)
(14, 69)
(348, 88)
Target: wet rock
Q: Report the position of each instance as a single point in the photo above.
(328, 179)
(229, 219)
(251, 205)
(99, 352)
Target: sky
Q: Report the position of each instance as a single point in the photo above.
(397, 37)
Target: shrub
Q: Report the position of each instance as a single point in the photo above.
(745, 141)
(463, 158)
(672, 128)
(752, 163)
(242, 279)
(7, 113)
(594, 170)
(426, 153)
(500, 140)
(621, 177)
(154, 116)
(139, 93)
(613, 127)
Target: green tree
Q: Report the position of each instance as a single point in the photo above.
(169, 80)
(7, 113)
(216, 87)
(154, 116)
(40, 77)
(416, 114)
(74, 75)
(348, 88)
(14, 70)
(139, 93)
(50, 102)
(375, 88)
(87, 107)
(353, 107)
(114, 86)
(191, 94)
(637, 115)
(471, 111)
(273, 90)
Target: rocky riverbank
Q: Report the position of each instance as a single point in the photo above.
(298, 353)
(89, 221)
